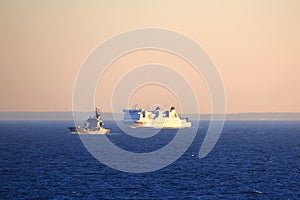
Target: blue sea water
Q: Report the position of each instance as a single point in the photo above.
(252, 160)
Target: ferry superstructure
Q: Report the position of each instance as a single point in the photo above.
(139, 117)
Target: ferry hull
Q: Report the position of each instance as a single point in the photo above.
(166, 123)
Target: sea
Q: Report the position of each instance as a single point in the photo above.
(251, 160)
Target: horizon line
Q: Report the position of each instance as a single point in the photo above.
(249, 112)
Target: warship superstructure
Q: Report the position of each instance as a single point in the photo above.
(93, 125)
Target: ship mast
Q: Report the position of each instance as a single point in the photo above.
(97, 112)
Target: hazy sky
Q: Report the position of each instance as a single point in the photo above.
(255, 45)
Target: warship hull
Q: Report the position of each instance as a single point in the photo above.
(80, 130)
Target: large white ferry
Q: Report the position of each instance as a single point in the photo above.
(93, 125)
(155, 119)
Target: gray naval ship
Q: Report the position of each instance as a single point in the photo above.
(93, 125)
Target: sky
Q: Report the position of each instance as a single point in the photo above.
(254, 44)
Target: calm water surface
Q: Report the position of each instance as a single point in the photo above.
(252, 160)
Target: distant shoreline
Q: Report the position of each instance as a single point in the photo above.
(272, 116)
